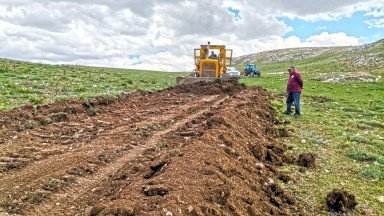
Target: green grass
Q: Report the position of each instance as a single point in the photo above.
(25, 83)
(343, 124)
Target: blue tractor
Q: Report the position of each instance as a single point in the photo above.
(251, 70)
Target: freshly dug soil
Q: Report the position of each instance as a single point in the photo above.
(339, 200)
(307, 160)
(198, 149)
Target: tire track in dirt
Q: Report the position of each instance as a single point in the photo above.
(80, 193)
(57, 165)
(79, 144)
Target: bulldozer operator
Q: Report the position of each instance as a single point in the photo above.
(213, 55)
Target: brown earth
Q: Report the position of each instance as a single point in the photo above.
(199, 149)
(339, 200)
(307, 159)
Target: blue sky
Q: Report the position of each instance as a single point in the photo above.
(353, 26)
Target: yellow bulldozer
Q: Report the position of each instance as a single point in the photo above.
(211, 62)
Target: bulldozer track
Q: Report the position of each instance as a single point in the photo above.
(81, 190)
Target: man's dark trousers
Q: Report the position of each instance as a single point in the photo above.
(295, 98)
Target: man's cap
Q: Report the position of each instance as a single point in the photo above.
(292, 67)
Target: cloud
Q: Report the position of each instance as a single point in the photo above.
(375, 23)
(168, 61)
(161, 34)
(377, 15)
(313, 10)
(335, 39)
(321, 28)
(376, 12)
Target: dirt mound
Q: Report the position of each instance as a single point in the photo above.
(339, 200)
(210, 88)
(198, 149)
(307, 160)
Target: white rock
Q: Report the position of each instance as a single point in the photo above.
(260, 166)
(381, 199)
(270, 181)
(169, 213)
(190, 209)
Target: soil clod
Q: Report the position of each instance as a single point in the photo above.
(154, 190)
(155, 169)
(339, 200)
(59, 117)
(307, 159)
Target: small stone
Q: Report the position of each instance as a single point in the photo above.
(381, 199)
(270, 181)
(260, 166)
(190, 209)
(97, 209)
(303, 141)
(169, 213)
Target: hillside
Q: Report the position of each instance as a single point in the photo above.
(368, 57)
(33, 83)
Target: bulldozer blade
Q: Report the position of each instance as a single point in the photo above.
(188, 80)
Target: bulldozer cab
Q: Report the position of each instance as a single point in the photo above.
(212, 60)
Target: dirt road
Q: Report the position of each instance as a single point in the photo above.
(199, 149)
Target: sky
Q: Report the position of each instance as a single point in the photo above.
(161, 34)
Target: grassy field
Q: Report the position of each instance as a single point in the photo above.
(343, 123)
(27, 83)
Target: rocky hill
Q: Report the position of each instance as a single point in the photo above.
(363, 57)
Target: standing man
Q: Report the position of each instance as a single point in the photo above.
(294, 87)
